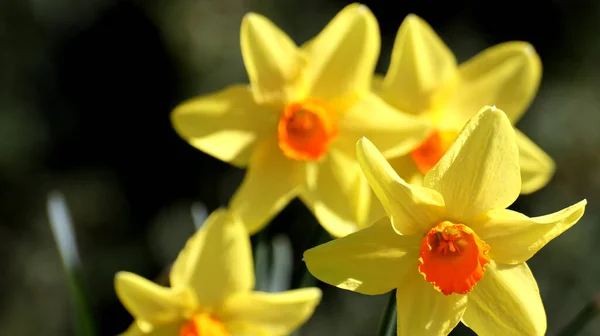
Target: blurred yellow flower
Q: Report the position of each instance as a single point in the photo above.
(451, 237)
(211, 291)
(297, 124)
(424, 79)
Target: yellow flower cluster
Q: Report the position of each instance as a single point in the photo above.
(412, 172)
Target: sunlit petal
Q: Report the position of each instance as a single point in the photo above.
(422, 68)
(274, 64)
(514, 237)
(412, 209)
(371, 261)
(343, 56)
(219, 263)
(481, 170)
(424, 311)
(226, 124)
(506, 302)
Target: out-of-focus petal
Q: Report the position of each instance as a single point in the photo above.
(537, 167)
(271, 181)
(226, 124)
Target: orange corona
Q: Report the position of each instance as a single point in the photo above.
(453, 258)
(432, 149)
(306, 129)
(203, 325)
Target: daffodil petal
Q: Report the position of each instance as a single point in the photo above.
(162, 330)
(412, 209)
(271, 181)
(537, 167)
(377, 84)
(407, 169)
(514, 237)
(226, 124)
(150, 304)
(275, 313)
(220, 263)
(343, 56)
(421, 68)
(506, 301)
(424, 311)
(370, 261)
(481, 170)
(507, 75)
(337, 193)
(274, 63)
(393, 132)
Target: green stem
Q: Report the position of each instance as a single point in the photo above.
(262, 261)
(588, 313)
(387, 326)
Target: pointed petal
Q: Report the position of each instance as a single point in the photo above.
(537, 167)
(506, 302)
(271, 181)
(275, 313)
(422, 68)
(412, 209)
(514, 237)
(226, 124)
(274, 64)
(393, 132)
(219, 264)
(480, 171)
(507, 75)
(424, 311)
(338, 194)
(371, 261)
(150, 304)
(343, 56)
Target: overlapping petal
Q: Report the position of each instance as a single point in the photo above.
(150, 304)
(506, 75)
(337, 194)
(393, 132)
(422, 68)
(424, 311)
(162, 330)
(412, 209)
(514, 237)
(481, 170)
(343, 56)
(537, 167)
(218, 264)
(272, 313)
(506, 302)
(370, 261)
(227, 124)
(271, 181)
(274, 63)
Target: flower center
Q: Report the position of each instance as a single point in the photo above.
(453, 258)
(306, 129)
(432, 149)
(203, 325)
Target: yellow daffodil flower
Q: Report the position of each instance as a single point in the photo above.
(424, 79)
(210, 294)
(297, 124)
(450, 247)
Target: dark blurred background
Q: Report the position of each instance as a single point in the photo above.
(86, 89)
